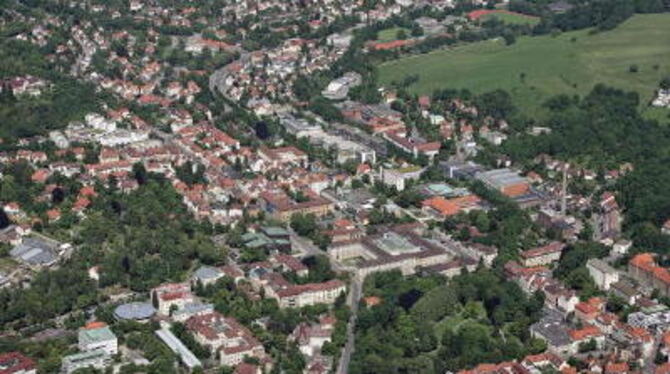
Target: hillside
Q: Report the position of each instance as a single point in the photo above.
(535, 68)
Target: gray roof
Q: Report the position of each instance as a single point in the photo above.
(34, 252)
(193, 308)
(187, 357)
(257, 272)
(500, 178)
(274, 231)
(89, 336)
(135, 310)
(207, 272)
(600, 265)
(625, 287)
(78, 358)
(552, 328)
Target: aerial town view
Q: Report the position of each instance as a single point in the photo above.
(334, 186)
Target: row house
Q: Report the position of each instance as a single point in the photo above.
(281, 207)
(298, 296)
(412, 146)
(544, 255)
(538, 278)
(644, 269)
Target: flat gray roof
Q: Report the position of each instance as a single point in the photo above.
(600, 265)
(500, 177)
(35, 252)
(135, 310)
(552, 327)
(207, 272)
(88, 336)
(187, 357)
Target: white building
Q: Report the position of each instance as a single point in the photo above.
(298, 296)
(99, 122)
(398, 178)
(98, 336)
(172, 296)
(310, 338)
(339, 88)
(121, 137)
(59, 139)
(96, 359)
(603, 274)
(662, 99)
(621, 247)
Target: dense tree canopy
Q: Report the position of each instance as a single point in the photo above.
(602, 131)
(424, 325)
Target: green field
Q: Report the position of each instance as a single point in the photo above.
(536, 68)
(391, 34)
(513, 19)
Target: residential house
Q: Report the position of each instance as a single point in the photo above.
(280, 206)
(602, 273)
(207, 275)
(607, 218)
(644, 269)
(584, 335)
(544, 255)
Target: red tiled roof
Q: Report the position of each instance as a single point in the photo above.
(476, 14)
(442, 205)
(646, 262)
(245, 368)
(291, 262)
(53, 214)
(390, 45)
(663, 369)
(616, 368)
(586, 332)
(14, 362)
(586, 308)
(310, 287)
(372, 300)
(81, 203)
(87, 191)
(40, 175)
(95, 325)
(541, 251)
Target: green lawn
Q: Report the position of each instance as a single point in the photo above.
(389, 35)
(536, 68)
(513, 19)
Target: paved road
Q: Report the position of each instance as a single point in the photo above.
(353, 299)
(308, 248)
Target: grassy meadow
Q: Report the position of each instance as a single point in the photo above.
(536, 68)
(391, 34)
(512, 18)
